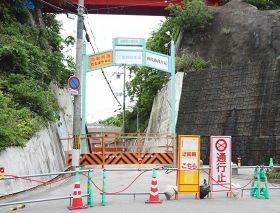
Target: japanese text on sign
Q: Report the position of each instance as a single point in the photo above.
(157, 61)
(129, 58)
(188, 163)
(129, 41)
(100, 60)
(221, 163)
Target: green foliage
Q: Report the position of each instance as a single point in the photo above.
(113, 121)
(17, 125)
(160, 39)
(273, 175)
(265, 4)
(130, 120)
(226, 30)
(143, 88)
(193, 16)
(31, 59)
(189, 62)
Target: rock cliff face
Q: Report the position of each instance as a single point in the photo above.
(239, 33)
(160, 118)
(240, 101)
(44, 153)
(240, 98)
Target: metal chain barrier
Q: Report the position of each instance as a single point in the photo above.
(225, 186)
(42, 183)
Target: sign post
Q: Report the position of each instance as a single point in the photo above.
(220, 163)
(188, 164)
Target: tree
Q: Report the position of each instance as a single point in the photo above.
(31, 59)
(192, 16)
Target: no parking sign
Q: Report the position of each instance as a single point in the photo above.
(220, 163)
(74, 82)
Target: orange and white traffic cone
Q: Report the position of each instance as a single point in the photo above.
(77, 201)
(154, 197)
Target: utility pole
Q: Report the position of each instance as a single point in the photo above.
(137, 120)
(124, 98)
(77, 98)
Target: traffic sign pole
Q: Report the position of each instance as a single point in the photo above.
(173, 101)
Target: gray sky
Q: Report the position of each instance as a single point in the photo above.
(100, 102)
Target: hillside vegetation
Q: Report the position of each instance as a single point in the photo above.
(31, 59)
(146, 82)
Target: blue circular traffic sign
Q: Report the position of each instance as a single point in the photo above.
(74, 82)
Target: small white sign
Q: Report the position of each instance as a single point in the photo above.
(157, 61)
(74, 92)
(220, 162)
(130, 41)
(189, 154)
(129, 57)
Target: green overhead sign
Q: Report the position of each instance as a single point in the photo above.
(129, 42)
(128, 52)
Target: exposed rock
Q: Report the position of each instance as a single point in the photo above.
(239, 33)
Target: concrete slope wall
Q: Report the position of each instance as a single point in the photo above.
(44, 153)
(160, 118)
(240, 101)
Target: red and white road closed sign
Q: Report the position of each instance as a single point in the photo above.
(220, 163)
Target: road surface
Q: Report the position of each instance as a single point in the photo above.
(126, 203)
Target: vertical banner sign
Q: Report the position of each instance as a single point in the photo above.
(220, 163)
(188, 163)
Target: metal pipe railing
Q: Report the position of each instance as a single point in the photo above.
(38, 200)
(137, 170)
(248, 167)
(117, 169)
(46, 174)
(131, 193)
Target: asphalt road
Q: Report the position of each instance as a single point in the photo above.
(126, 203)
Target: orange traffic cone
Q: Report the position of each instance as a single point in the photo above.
(154, 197)
(77, 201)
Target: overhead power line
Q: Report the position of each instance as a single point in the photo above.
(106, 79)
(87, 38)
(53, 6)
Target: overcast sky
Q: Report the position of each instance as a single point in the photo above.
(100, 102)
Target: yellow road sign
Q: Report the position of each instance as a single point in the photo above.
(188, 163)
(100, 60)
